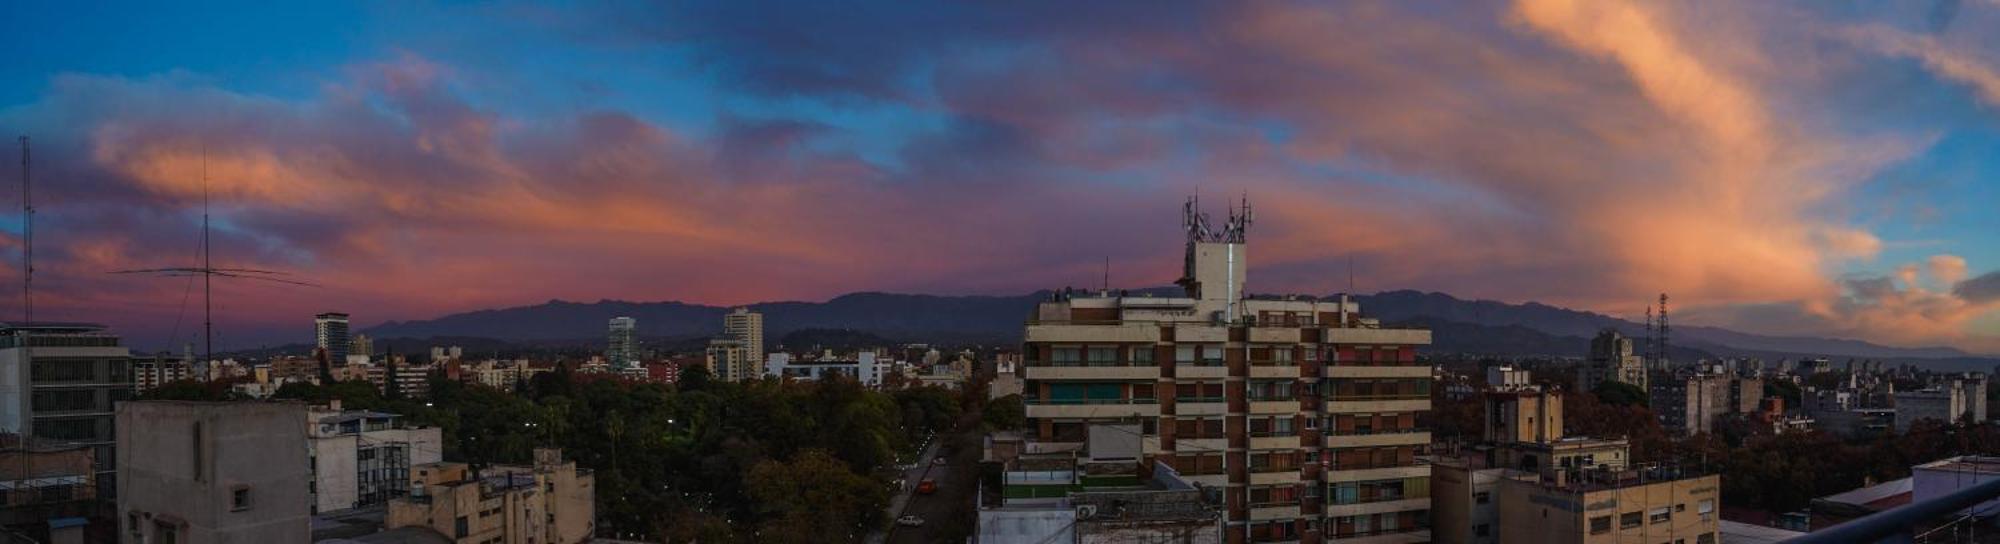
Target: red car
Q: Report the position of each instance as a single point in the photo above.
(927, 486)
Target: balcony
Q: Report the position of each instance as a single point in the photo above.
(1274, 512)
(1378, 506)
(1339, 474)
(1277, 476)
(1201, 445)
(1083, 371)
(1092, 332)
(1379, 438)
(1351, 405)
(1274, 442)
(1200, 406)
(1273, 369)
(1192, 371)
(1352, 335)
(1362, 371)
(1092, 408)
(1274, 406)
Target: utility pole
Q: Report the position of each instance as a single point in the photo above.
(27, 239)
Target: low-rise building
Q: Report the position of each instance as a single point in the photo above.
(1063, 500)
(45, 487)
(549, 502)
(862, 367)
(362, 458)
(212, 472)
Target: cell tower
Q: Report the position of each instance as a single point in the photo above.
(1647, 351)
(1662, 337)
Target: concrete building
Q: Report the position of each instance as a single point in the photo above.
(223, 472)
(862, 367)
(45, 489)
(1611, 359)
(1274, 401)
(1944, 476)
(1534, 485)
(151, 372)
(1006, 378)
(1099, 503)
(1948, 402)
(729, 360)
(549, 502)
(1507, 377)
(330, 334)
(622, 349)
(1858, 422)
(743, 325)
(361, 458)
(361, 345)
(59, 383)
(1690, 405)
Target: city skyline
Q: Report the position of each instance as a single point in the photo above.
(1779, 168)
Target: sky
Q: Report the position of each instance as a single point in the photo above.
(1801, 168)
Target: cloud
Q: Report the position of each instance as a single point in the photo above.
(1578, 153)
(1984, 289)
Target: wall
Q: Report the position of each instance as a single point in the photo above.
(180, 463)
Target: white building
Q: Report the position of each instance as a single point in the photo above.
(743, 325)
(362, 458)
(863, 367)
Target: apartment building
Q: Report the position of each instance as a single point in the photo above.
(743, 325)
(1535, 485)
(1611, 359)
(59, 384)
(549, 502)
(1300, 410)
(729, 360)
(361, 458)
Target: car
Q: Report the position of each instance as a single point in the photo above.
(927, 486)
(910, 521)
(938, 461)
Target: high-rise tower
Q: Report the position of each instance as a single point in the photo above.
(622, 349)
(330, 334)
(743, 325)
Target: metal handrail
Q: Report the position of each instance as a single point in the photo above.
(1900, 524)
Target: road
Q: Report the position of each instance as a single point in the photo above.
(948, 514)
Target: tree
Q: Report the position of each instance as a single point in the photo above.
(1620, 394)
(814, 498)
(1005, 413)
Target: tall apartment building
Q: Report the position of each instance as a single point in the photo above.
(1611, 359)
(745, 326)
(1302, 412)
(622, 349)
(160, 369)
(1690, 405)
(59, 384)
(213, 472)
(330, 334)
(729, 360)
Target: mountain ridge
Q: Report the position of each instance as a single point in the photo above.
(997, 319)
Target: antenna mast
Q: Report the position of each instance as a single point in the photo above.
(1663, 330)
(28, 239)
(207, 301)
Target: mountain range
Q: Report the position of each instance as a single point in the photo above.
(1482, 327)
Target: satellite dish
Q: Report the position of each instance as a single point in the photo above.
(1086, 511)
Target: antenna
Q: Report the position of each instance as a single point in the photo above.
(1663, 330)
(28, 239)
(1107, 276)
(208, 272)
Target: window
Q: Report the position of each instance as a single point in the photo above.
(239, 498)
(60, 400)
(1282, 355)
(1600, 525)
(1184, 353)
(1211, 354)
(462, 527)
(1705, 538)
(166, 533)
(1629, 520)
(1142, 354)
(1706, 509)
(1481, 530)
(1103, 355)
(1660, 515)
(1065, 355)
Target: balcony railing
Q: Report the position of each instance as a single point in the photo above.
(1900, 524)
(1075, 402)
(1200, 399)
(1397, 396)
(1372, 432)
(1102, 364)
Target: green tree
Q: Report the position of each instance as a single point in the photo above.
(813, 498)
(1005, 413)
(1620, 394)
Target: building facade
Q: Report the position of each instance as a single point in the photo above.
(213, 472)
(1611, 359)
(622, 349)
(729, 360)
(743, 325)
(1302, 412)
(61, 384)
(361, 458)
(549, 502)
(1690, 405)
(330, 334)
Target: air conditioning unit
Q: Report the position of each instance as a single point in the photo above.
(1086, 511)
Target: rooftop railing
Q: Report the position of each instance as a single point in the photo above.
(1901, 524)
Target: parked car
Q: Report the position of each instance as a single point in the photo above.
(938, 461)
(927, 486)
(910, 521)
